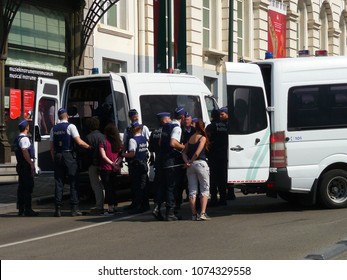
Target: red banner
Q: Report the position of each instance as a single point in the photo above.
(277, 32)
(28, 103)
(15, 103)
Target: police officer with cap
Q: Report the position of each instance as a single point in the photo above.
(63, 137)
(25, 156)
(138, 167)
(155, 159)
(217, 132)
(170, 152)
(128, 134)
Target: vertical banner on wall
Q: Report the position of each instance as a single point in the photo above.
(28, 103)
(15, 103)
(180, 35)
(159, 12)
(277, 29)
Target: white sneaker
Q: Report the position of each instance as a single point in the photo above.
(204, 217)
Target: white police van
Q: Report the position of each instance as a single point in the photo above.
(110, 96)
(288, 128)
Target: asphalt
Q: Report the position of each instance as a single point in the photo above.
(43, 193)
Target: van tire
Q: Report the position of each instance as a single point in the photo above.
(332, 192)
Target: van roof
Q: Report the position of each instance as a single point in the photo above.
(287, 65)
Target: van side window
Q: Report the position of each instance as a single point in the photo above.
(247, 109)
(317, 107)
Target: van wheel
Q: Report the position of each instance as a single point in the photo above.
(333, 189)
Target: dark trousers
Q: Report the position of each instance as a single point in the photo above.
(25, 186)
(65, 165)
(109, 179)
(218, 178)
(159, 194)
(170, 182)
(138, 170)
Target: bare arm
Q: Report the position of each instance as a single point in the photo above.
(176, 145)
(104, 156)
(81, 143)
(199, 149)
(26, 156)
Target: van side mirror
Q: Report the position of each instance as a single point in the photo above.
(37, 134)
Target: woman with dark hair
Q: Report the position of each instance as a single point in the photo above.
(110, 150)
(198, 172)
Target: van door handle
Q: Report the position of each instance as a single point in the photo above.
(257, 140)
(238, 148)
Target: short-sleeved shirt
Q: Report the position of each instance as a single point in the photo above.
(177, 131)
(24, 142)
(71, 130)
(111, 155)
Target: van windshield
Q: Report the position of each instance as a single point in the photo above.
(153, 104)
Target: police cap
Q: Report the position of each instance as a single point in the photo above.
(132, 112)
(61, 111)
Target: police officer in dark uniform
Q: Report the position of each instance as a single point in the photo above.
(64, 136)
(155, 159)
(138, 167)
(25, 155)
(170, 152)
(128, 134)
(217, 132)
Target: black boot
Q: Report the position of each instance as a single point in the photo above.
(170, 215)
(57, 212)
(20, 210)
(30, 213)
(75, 211)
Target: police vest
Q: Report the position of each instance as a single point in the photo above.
(154, 141)
(18, 150)
(62, 141)
(165, 148)
(141, 149)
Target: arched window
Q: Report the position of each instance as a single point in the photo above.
(302, 26)
(323, 36)
(343, 36)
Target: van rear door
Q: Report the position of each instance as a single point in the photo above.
(120, 107)
(45, 117)
(249, 129)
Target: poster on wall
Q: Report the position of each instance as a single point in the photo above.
(15, 103)
(28, 103)
(277, 29)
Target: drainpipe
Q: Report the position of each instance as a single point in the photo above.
(231, 31)
(5, 148)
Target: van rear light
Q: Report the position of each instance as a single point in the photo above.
(278, 152)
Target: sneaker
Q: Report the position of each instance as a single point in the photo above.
(109, 213)
(204, 217)
(195, 217)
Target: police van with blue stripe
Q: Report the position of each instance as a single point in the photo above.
(288, 128)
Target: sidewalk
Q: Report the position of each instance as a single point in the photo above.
(43, 190)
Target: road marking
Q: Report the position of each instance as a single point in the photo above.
(67, 231)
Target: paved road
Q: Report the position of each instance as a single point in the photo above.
(251, 227)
